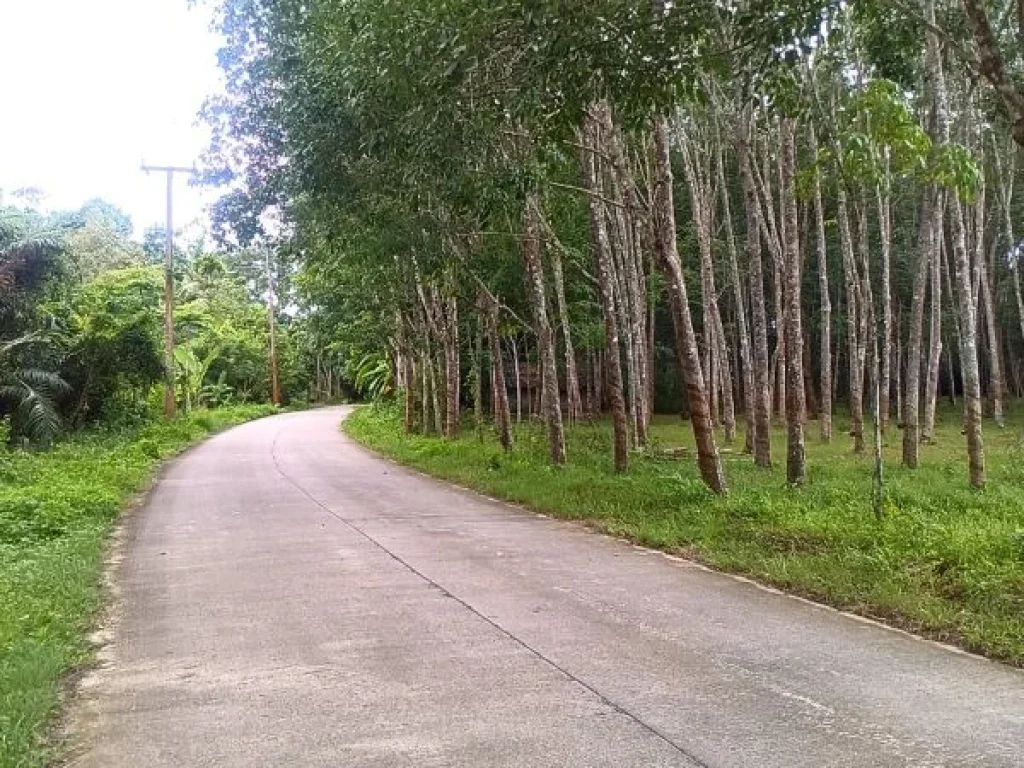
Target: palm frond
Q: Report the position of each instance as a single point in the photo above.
(373, 376)
(11, 344)
(47, 382)
(27, 259)
(33, 395)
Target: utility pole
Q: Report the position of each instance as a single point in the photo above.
(275, 387)
(170, 170)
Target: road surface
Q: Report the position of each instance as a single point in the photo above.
(287, 599)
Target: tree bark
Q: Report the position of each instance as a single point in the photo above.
(779, 287)
(519, 386)
(550, 401)
(761, 393)
(746, 360)
(425, 393)
(796, 463)
(590, 161)
(885, 231)
(968, 350)
(867, 331)
(478, 376)
(825, 406)
(934, 351)
(779, 356)
(629, 218)
(929, 227)
(502, 416)
(451, 368)
(1005, 183)
(408, 376)
(946, 273)
(435, 396)
(968, 321)
(572, 382)
(997, 383)
(696, 164)
(708, 459)
(854, 310)
(990, 63)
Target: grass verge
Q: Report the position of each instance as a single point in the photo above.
(946, 561)
(55, 511)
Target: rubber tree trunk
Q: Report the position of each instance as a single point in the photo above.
(478, 376)
(761, 394)
(441, 313)
(796, 463)
(869, 349)
(408, 371)
(1005, 182)
(551, 406)
(968, 349)
(929, 230)
(962, 272)
(632, 230)
(853, 312)
(612, 382)
(425, 396)
(931, 391)
(409, 420)
(885, 236)
(519, 384)
(437, 413)
(867, 331)
(778, 292)
(696, 165)
(502, 416)
(997, 383)
(746, 356)
(708, 458)
(572, 381)
(452, 373)
(825, 405)
(948, 280)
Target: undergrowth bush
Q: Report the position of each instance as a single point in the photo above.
(55, 510)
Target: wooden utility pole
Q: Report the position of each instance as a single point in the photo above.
(169, 283)
(275, 387)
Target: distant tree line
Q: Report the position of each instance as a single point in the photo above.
(80, 324)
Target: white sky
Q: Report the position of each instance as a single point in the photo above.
(93, 87)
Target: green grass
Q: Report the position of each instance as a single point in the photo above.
(946, 561)
(55, 511)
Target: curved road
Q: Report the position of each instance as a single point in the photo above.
(287, 599)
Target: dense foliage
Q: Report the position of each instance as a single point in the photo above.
(81, 329)
(745, 211)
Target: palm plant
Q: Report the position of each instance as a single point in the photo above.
(191, 372)
(372, 376)
(26, 260)
(217, 394)
(30, 395)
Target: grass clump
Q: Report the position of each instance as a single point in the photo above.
(945, 561)
(55, 511)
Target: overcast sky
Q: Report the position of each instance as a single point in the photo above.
(93, 87)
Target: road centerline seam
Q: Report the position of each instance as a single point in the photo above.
(604, 699)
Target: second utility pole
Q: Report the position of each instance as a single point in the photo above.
(275, 386)
(169, 404)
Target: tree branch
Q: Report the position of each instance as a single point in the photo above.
(992, 67)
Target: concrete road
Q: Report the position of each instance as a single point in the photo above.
(288, 599)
